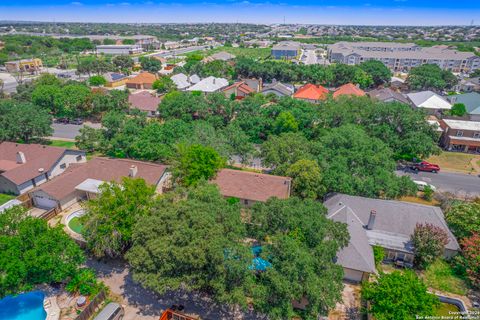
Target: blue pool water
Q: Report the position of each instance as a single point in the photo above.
(26, 306)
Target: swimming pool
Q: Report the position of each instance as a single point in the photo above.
(25, 306)
(73, 221)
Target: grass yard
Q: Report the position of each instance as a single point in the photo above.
(255, 53)
(5, 198)
(440, 276)
(455, 161)
(63, 144)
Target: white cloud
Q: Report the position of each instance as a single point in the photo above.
(76, 3)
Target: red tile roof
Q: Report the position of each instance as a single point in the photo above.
(142, 78)
(241, 86)
(104, 169)
(251, 185)
(311, 92)
(348, 90)
(144, 101)
(37, 157)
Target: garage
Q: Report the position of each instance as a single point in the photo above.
(43, 201)
(352, 275)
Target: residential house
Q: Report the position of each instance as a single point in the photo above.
(255, 84)
(286, 50)
(121, 49)
(251, 187)
(461, 135)
(471, 101)
(24, 65)
(181, 81)
(385, 223)
(82, 181)
(467, 85)
(146, 102)
(238, 90)
(141, 81)
(209, 85)
(429, 101)
(25, 166)
(194, 79)
(387, 95)
(349, 90)
(279, 89)
(311, 93)
(115, 79)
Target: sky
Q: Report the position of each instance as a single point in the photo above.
(346, 12)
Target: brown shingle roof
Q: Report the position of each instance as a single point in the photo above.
(142, 78)
(38, 157)
(241, 86)
(105, 169)
(348, 90)
(251, 185)
(311, 92)
(144, 101)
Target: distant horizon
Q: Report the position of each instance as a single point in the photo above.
(322, 12)
(239, 22)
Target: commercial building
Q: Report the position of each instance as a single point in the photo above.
(120, 49)
(402, 57)
(287, 50)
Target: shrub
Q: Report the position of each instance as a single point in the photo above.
(378, 255)
(429, 242)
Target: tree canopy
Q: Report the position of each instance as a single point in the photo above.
(34, 253)
(399, 295)
(430, 77)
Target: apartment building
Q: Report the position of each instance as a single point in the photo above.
(286, 50)
(402, 57)
(461, 135)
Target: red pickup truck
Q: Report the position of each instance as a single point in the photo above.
(425, 166)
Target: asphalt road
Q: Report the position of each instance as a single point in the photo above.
(462, 185)
(70, 131)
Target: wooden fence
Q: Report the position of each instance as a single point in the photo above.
(92, 307)
(49, 214)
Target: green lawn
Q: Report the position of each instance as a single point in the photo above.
(440, 276)
(63, 144)
(454, 161)
(255, 53)
(5, 197)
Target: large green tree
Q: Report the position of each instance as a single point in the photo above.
(399, 295)
(192, 240)
(33, 253)
(195, 163)
(463, 218)
(301, 244)
(108, 224)
(430, 77)
(379, 73)
(23, 121)
(306, 179)
(429, 244)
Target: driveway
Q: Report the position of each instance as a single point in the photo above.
(461, 185)
(70, 131)
(142, 304)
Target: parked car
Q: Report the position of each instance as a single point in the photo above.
(113, 311)
(77, 121)
(61, 120)
(421, 185)
(425, 166)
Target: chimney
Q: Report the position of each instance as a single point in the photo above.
(21, 157)
(133, 171)
(214, 80)
(371, 219)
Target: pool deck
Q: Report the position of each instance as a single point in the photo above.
(51, 307)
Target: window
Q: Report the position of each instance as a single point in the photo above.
(476, 134)
(63, 166)
(459, 133)
(79, 158)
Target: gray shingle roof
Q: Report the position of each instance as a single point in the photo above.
(395, 218)
(470, 100)
(387, 94)
(358, 255)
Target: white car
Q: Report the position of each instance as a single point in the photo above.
(422, 184)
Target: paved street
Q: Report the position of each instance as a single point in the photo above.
(462, 185)
(310, 57)
(70, 131)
